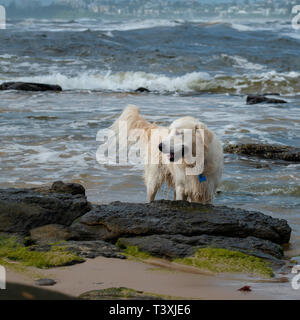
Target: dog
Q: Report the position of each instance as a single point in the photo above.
(171, 165)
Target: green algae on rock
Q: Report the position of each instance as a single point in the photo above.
(121, 293)
(223, 260)
(216, 260)
(12, 250)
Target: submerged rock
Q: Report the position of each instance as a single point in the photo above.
(24, 209)
(28, 86)
(265, 151)
(142, 89)
(110, 222)
(255, 99)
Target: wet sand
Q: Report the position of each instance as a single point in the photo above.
(101, 273)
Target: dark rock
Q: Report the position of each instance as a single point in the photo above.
(255, 99)
(271, 94)
(169, 229)
(265, 151)
(24, 209)
(84, 249)
(245, 289)
(108, 222)
(45, 282)
(118, 294)
(71, 188)
(174, 246)
(51, 233)
(28, 86)
(142, 89)
(93, 249)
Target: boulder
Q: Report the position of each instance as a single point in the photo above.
(265, 151)
(28, 86)
(71, 188)
(22, 210)
(255, 99)
(93, 249)
(51, 233)
(84, 249)
(178, 246)
(116, 220)
(167, 229)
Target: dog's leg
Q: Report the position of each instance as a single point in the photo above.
(153, 181)
(180, 193)
(151, 191)
(179, 183)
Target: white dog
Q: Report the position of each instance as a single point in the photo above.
(171, 154)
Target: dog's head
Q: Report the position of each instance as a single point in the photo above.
(184, 137)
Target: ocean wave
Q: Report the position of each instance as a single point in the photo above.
(284, 83)
(240, 62)
(82, 25)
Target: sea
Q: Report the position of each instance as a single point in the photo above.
(200, 68)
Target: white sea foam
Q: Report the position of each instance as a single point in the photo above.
(294, 35)
(195, 81)
(94, 25)
(242, 27)
(240, 62)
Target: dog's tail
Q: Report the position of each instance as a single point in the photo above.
(134, 123)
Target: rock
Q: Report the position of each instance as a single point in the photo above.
(110, 222)
(22, 210)
(83, 249)
(178, 246)
(255, 99)
(271, 94)
(71, 188)
(93, 249)
(51, 233)
(245, 289)
(45, 282)
(142, 89)
(118, 294)
(265, 151)
(28, 86)
(167, 229)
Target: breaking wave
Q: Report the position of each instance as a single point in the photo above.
(283, 83)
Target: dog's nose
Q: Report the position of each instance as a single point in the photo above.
(160, 146)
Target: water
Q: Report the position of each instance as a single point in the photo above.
(199, 68)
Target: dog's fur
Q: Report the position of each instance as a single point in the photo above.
(186, 187)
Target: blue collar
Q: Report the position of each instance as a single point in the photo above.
(201, 178)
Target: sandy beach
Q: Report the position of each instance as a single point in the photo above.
(101, 273)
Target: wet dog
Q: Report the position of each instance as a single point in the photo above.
(187, 156)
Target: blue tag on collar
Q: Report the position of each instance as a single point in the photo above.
(201, 178)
